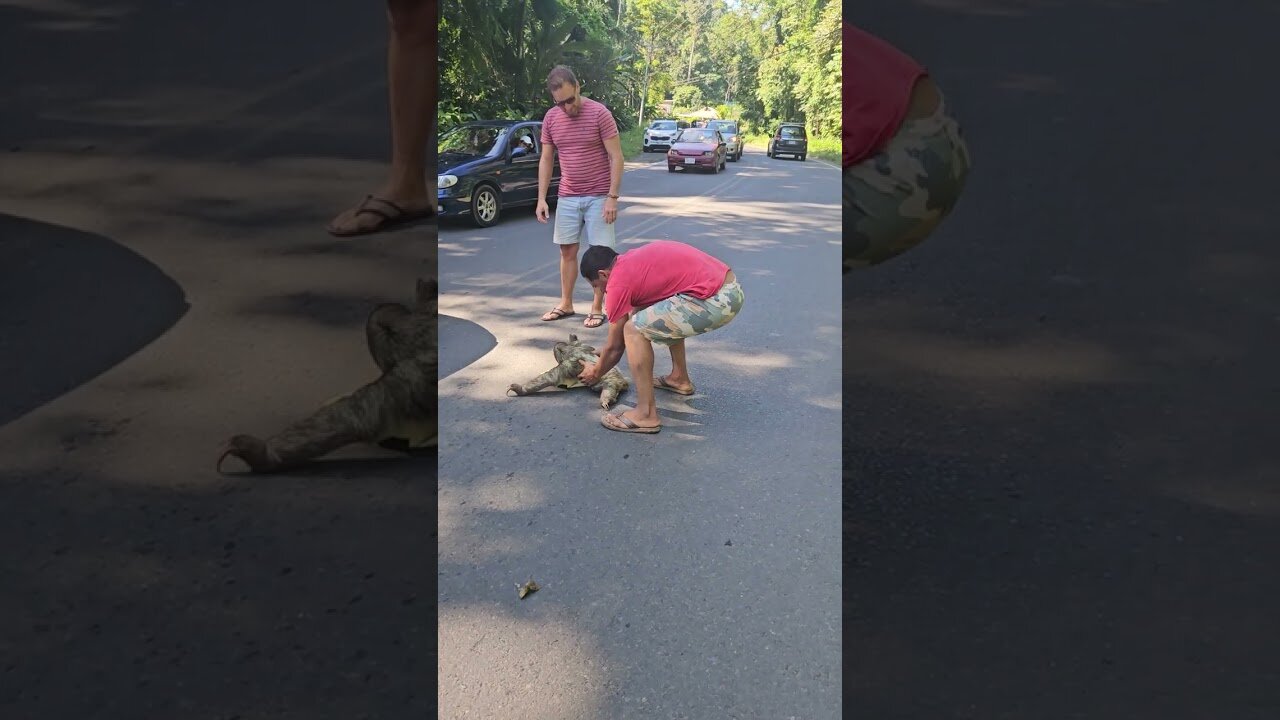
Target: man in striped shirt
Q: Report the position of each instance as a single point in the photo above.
(582, 135)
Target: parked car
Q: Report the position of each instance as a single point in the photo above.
(789, 139)
(697, 148)
(732, 138)
(659, 135)
(487, 166)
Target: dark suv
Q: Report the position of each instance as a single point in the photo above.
(489, 165)
(789, 139)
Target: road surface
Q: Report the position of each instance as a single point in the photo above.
(1060, 415)
(166, 281)
(689, 574)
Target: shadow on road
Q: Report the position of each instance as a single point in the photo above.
(138, 582)
(74, 304)
(1059, 414)
(465, 343)
(205, 591)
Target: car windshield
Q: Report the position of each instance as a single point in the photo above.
(727, 128)
(663, 125)
(478, 140)
(791, 131)
(693, 135)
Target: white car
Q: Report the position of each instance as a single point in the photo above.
(659, 134)
(732, 138)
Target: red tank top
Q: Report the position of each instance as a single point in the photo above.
(878, 79)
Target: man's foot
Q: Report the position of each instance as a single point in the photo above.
(594, 320)
(665, 383)
(622, 423)
(376, 213)
(557, 314)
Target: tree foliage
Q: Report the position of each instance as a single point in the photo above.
(761, 61)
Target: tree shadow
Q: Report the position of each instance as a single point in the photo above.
(1058, 462)
(75, 304)
(140, 583)
(165, 602)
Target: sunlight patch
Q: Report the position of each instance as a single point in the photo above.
(509, 664)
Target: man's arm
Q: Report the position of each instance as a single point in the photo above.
(614, 346)
(610, 354)
(613, 146)
(545, 165)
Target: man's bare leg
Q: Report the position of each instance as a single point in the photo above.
(640, 362)
(597, 300)
(411, 80)
(568, 276)
(679, 377)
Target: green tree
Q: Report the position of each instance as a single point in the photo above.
(763, 60)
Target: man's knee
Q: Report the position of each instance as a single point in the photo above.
(631, 334)
(569, 250)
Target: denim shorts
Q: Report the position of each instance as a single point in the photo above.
(574, 214)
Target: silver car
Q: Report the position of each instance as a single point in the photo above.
(659, 134)
(732, 138)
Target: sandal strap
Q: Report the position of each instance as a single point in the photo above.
(365, 209)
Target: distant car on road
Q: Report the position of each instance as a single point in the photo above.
(789, 139)
(697, 148)
(487, 166)
(732, 138)
(659, 135)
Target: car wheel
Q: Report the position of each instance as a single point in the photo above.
(644, 148)
(802, 157)
(484, 206)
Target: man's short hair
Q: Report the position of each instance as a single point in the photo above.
(595, 259)
(560, 75)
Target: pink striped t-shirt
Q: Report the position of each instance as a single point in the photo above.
(579, 143)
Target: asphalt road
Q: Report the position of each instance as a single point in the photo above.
(1060, 416)
(689, 574)
(168, 169)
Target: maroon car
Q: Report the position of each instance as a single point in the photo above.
(698, 148)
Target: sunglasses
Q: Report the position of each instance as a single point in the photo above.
(566, 102)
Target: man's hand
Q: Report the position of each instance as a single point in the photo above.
(589, 376)
(610, 210)
(542, 211)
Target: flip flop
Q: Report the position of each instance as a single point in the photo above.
(556, 314)
(661, 383)
(631, 427)
(587, 323)
(389, 220)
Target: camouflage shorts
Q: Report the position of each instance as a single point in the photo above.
(894, 200)
(683, 316)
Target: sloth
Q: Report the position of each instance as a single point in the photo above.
(569, 358)
(396, 411)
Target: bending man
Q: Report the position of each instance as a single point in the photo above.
(661, 292)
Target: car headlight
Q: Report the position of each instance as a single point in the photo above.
(446, 181)
(708, 153)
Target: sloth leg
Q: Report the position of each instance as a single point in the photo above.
(545, 380)
(358, 417)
